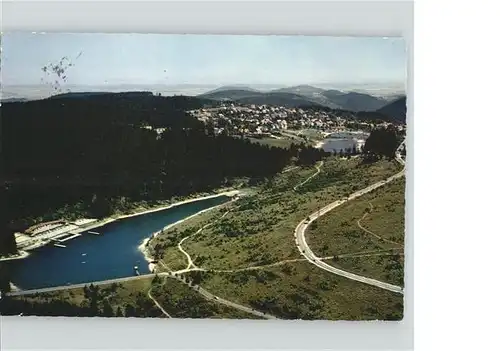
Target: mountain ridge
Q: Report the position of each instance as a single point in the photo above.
(308, 95)
(396, 109)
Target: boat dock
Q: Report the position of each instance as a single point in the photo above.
(57, 232)
(71, 236)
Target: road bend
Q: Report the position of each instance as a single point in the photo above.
(306, 251)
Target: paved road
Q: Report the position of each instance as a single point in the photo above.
(312, 258)
(75, 286)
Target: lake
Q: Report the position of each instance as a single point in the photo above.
(112, 254)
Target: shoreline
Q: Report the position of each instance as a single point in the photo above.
(143, 247)
(319, 144)
(14, 288)
(21, 255)
(105, 221)
(182, 202)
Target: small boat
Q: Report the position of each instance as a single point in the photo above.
(136, 270)
(84, 254)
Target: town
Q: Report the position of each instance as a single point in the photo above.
(262, 119)
(294, 124)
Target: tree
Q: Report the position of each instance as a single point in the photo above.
(86, 292)
(130, 311)
(107, 310)
(382, 142)
(119, 312)
(156, 280)
(105, 159)
(100, 206)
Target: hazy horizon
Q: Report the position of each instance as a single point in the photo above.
(100, 60)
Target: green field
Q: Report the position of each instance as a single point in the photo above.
(303, 291)
(123, 299)
(283, 143)
(259, 229)
(181, 301)
(131, 299)
(338, 233)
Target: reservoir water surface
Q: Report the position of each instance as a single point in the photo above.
(112, 254)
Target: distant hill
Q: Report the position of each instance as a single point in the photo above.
(395, 110)
(226, 88)
(233, 94)
(313, 94)
(279, 99)
(100, 93)
(259, 98)
(355, 101)
(391, 98)
(300, 95)
(332, 93)
(130, 108)
(306, 90)
(336, 99)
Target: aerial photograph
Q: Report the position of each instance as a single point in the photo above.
(202, 176)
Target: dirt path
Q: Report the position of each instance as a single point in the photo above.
(318, 170)
(158, 304)
(372, 233)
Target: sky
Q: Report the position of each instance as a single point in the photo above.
(101, 59)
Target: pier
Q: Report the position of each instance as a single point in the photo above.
(72, 236)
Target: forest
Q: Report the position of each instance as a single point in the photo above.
(92, 152)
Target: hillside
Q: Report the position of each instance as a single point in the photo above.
(74, 157)
(233, 94)
(306, 90)
(300, 95)
(332, 93)
(354, 101)
(279, 99)
(260, 98)
(395, 110)
(226, 88)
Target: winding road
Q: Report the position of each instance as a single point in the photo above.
(300, 241)
(306, 251)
